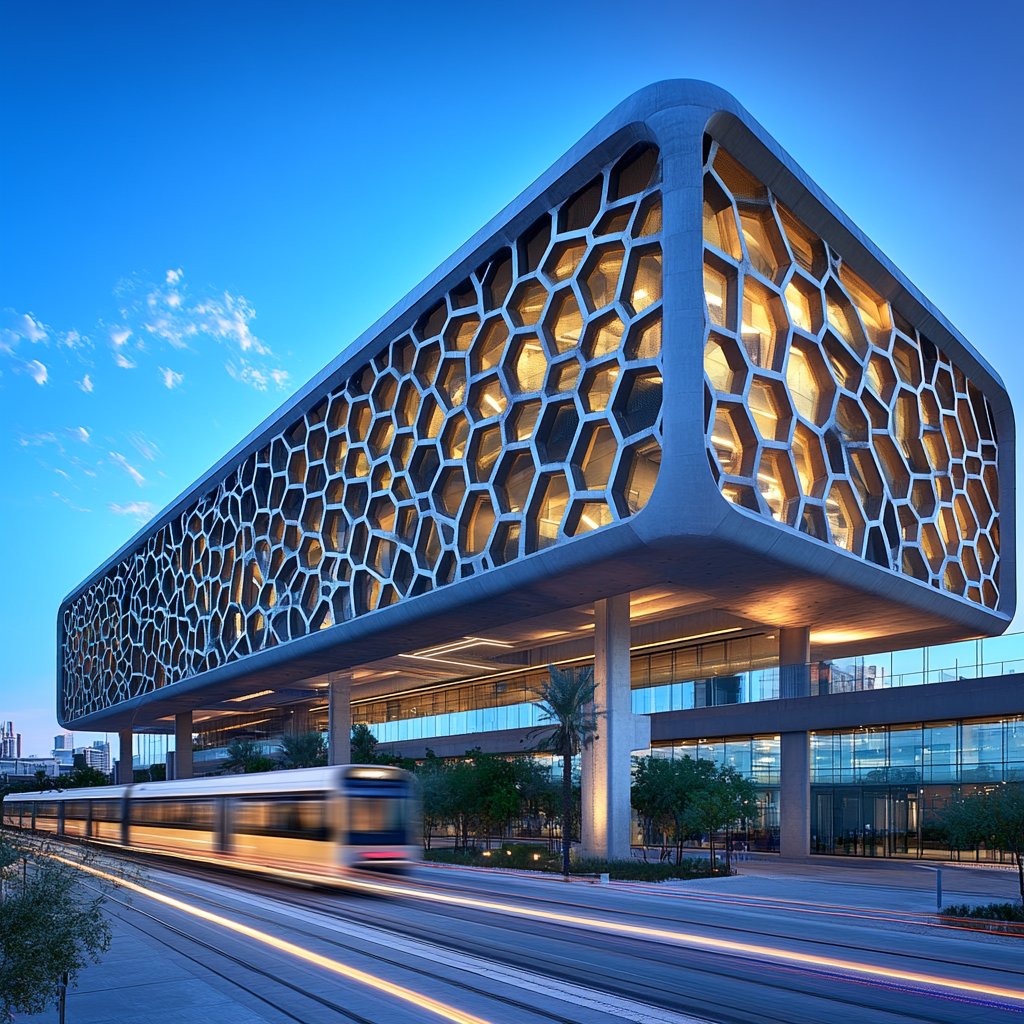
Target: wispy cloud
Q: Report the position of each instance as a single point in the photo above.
(123, 361)
(70, 503)
(121, 461)
(85, 384)
(78, 434)
(170, 378)
(35, 369)
(141, 510)
(146, 448)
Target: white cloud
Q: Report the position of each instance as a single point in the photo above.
(85, 384)
(30, 328)
(33, 368)
(121, 461)
(174, 276)
(78, 434)
(145, 448)
(141, 510)
(118, 335)
(70, 503)
(171, 378)
(123, 361)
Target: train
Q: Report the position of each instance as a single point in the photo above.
(319, 821)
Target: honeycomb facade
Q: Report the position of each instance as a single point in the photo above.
(827, 411)
(521, 411)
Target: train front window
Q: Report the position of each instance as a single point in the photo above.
(376, 820)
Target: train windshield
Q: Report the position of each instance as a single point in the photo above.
(376, 811)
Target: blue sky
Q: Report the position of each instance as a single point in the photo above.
(202, 203)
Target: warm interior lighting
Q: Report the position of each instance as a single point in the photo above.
(250, 696)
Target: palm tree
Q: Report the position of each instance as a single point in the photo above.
(563, 703)
(304, 750)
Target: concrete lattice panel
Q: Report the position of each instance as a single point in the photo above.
(522, 410)
(828, 411)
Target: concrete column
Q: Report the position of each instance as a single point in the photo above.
(124, 770)
(183, 745)
(339, 718)
(606, 762)
(794, 655)
(795, 794)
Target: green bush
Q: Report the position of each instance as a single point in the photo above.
(533, 857)
(986, 912)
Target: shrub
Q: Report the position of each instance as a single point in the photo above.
(986, 912)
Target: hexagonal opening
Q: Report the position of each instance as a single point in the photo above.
(580, 209)
(733, 440)
(742, 495)
(907, 358)
(528, 364)
(384, 392)
(427, 360)
(614, 222)
(484, 450)
(595, 455)
(297, 467)
(953, 579)
(846, 524)
(316, 444)
(777, 483)
(459, 333)
(476, 526)
(648, 220)
(523, 419)
(810, 464)
(497, 279)
(639, 400)
(312, 514)
(765, 248)
(979, 502)
(851, 422)
(564, 259)
(408, 405)
(335, 530)
(454, 437)
(897, 476)
(598, 387)
(643, 279)
(738, 180)
(381, 435)
(451, 486)
(867, 481)
(810, 384)
(487, 399)
(965, 418)
(720, 292)
(873, 309)
(846, 369)
(565, 321)
(637, 474)
(764, 327)
(563, 377)
(586, 516)
(603, 336)
(452, 382)
(490, 344)
(423, 466)
(505, 546)
(514, 481)
(634, 172)
(527, 303)
(803, 302)
(403, 354)
(601, 275)
(805, 245)
(337, 415)
(557, 431)
(841, 315)
(550, 504)
(769, 404)
(725, 366)
(356, 496)
(381, 514)
(645, 338)
(720, 228)
(430, 419)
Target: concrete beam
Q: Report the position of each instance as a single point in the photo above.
(961, 698)
(124, 764)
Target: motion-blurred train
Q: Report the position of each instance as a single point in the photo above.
(324, 821)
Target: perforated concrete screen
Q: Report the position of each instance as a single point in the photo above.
(828, 411)
(752, 413)
(522, 410)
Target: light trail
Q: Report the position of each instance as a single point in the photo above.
(398, 991)
(884, 974)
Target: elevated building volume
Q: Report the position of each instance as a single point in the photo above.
(670, 399)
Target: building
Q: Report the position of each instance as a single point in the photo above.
(64, 748)
(28, 766)
(10, 741)
(96, 756)
(670, 413)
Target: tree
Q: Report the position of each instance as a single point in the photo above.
(364, 744)
(50, 926)
(967, 822)
(721, 799)
(497, 795)
(435, 794)
(564, 702)
(304, 750)
(86, 776)
(247, 756)
(1006, 804)
(660, 795)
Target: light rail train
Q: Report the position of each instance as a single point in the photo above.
(313, 820)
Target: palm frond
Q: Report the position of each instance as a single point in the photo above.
(566, 699)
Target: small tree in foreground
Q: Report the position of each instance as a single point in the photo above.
(363, 744)
(564, 700)
(51, 925)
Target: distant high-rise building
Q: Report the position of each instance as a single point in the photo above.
(97, 756)
(10, 741)
(63, 748)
